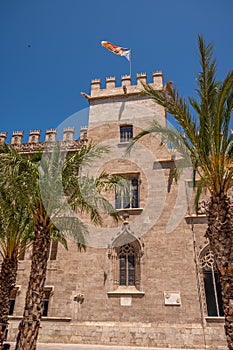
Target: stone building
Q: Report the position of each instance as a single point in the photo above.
(150, 280)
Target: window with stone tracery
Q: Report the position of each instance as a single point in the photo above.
(126, 264)
(211, 284)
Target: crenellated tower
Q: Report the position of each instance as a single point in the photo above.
(113, 106)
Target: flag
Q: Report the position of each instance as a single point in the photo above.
(118, 50)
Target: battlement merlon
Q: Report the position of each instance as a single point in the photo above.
(17, 137)
(34, 136)
(126, 88)
(3, 136)
(83, 132)
(50, 135)
(68, 134)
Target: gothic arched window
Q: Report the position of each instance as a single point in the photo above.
(126, 254)
(213, 296)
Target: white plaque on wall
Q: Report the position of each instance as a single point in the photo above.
(172, 298)
(126, 301)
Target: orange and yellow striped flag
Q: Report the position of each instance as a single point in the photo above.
(118, 50)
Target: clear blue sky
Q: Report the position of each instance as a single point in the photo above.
(50, 50)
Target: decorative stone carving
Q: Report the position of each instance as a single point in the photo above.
(79, 298)
(207, 260)
(202, 208)
(172, 298)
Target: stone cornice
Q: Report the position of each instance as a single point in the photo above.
(29, 148)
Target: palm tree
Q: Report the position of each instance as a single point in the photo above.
(49, 190)
(16, 234)
(207, 141)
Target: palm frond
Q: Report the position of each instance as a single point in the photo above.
(199, 189)
(207, 140)
(73, 228)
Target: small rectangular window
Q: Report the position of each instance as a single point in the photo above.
(47, 296)
(129, 198)
(22, 255)
(12, 300)
(53, 250)
(126, 133)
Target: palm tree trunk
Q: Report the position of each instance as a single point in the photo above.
(7, 282)
(30, 324)
(220, 234)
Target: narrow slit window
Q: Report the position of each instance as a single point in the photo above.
(46, 301)
(12, 301)
(22, 255)
(53, 250)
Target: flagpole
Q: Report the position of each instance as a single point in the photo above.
(130, 67)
